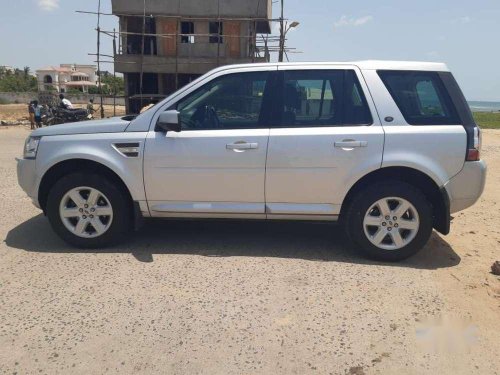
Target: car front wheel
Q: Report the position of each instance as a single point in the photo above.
(389, 221)
(88, 210)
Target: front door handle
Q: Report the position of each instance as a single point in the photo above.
(241, 146)
(351, 144)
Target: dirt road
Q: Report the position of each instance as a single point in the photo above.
(245, 298)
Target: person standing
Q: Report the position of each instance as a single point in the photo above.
(38, 114)
(90, 109)
(31, 112)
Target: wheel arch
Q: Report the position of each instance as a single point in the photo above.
(62, 168)
(437, 196)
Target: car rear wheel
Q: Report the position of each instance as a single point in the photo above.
(389, 221)
(88, 210)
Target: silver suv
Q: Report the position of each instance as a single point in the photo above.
(387, 149)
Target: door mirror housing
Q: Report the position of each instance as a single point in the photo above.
(169, 121)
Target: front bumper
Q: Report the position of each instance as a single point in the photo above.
(467, 186)
(27, 179)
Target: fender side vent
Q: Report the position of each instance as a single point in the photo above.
(129, 150)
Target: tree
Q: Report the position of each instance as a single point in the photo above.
(18, 81)
(113, 85)
(110, 85)
(104, 74)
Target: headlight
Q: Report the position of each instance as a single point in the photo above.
(31, 147)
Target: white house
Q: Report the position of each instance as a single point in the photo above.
(67, 76)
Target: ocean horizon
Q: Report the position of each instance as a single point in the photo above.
(483, 106)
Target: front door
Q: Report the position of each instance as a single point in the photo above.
(214, 167)
(329, 136)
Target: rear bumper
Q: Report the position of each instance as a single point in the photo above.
(26, 177)
(467, 186)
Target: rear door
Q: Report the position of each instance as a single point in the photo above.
(327, 136)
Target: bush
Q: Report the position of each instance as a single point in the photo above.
(18, 81)
(488, 120)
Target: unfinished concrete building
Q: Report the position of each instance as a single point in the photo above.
(172, 42)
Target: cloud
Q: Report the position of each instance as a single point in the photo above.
(462, 20)
(351, 21)
(48, 5)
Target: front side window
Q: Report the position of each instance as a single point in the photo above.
(233, 101)
(319, 98)
(421, 97)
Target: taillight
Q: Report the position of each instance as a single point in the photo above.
(474, 154)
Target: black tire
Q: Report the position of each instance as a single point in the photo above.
(362, 202)
(119, 200)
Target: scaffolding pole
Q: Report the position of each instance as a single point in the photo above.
(114, 74)
(99, 81)
(141, 77)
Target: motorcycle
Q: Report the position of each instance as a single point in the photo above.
(57, 115)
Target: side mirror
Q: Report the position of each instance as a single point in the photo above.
(169, 121)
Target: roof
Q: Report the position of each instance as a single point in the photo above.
(363, 65)
(65, 68)
(76, 66)
(54, 69)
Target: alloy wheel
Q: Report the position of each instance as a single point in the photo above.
(86, 212)
(391, 223)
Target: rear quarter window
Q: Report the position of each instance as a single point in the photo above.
(421, 97)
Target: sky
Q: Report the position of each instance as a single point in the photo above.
(462, 33)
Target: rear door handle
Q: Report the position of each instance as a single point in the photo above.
(242, 146)
(351, 144)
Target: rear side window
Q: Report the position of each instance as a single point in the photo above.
(321, 98)
(421, 96)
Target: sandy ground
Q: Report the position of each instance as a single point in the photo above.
(245, 298)
(19, 112)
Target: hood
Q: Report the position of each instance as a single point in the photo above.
(109, 125)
